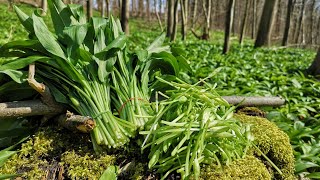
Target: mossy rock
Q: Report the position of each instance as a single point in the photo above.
(248, 168)
(273, 143)
(53, 153)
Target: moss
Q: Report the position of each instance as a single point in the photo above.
(54, 148)
(85, 166)
(272, 142)
(249, 168)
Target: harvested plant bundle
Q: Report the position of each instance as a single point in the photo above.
(193, 125)
(86, 65)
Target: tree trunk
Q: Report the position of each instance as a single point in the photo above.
(44, 7)
(314, 69)
(266, 23)
(287, 25)
(160, 9)
(141, 8)
(184, 17)
(148, 10)
(107, 8)
(103, 10)
(133, 8)
(254, 17)
(207, 12)
(157, 14)
(89, 9)
(300, 22)
(244, 22)
(195, 9)
(312, 21)
(228, 25)
(125, 16)
(170, 17)
(175, 22)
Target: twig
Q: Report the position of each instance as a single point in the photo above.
(84, 124)
(27, 108)
(254, 101)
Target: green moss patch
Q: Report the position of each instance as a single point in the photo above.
(274, 143)
(249, 168)
(53, 152)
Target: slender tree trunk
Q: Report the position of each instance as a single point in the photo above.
(125, 16)
(107, 8)
(102, 8)
(175, 22)
(228, 25)
(266, 23)
(244, 22)
(312, 21)
(148, 10)
(184, 17)
(207, 11)
(89, 9)
(287, 25)
(300, 22)
(141, 8)
(133, 7)
(44, 7)
(233, 25)
(318, 30)
(170, 17)
(314, 69)
(195, 9)
(278, 23)
(254, 17)
(158, 17)
(160, 9)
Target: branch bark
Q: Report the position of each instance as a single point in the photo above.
(84, 124)
(27, 108)
(254, 101)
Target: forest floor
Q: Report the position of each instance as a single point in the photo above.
(244, 71)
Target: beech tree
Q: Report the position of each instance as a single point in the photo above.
(288, 22)
(125, 16)
(170, 17)
(229, 22)
(266, 23)
(89, 9)
(314, 69)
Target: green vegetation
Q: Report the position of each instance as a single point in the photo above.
(244, 71)
(249, 168)
(52, 148)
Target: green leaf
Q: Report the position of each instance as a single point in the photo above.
(315, 175)
(48, 41)
(97, 24)
(17, 76)
(25, 20)
(75, 35)
(110, 51)
(78, 13)
(22, 62)
(60, 15)
(4, 155)
(8, 176)
(156, 45)
(109, 174)
(301, 166)
(22, 45)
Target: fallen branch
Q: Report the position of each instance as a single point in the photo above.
(73, 122)
(254, 101)
(27, 108)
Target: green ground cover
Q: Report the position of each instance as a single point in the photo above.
(244, 71)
